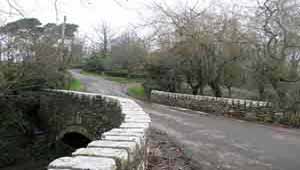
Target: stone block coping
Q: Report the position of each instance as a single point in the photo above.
(123, 148)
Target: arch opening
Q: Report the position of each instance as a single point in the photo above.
(75, 140)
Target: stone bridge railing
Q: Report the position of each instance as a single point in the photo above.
(123, 148)
(64, 112)
(210, 104)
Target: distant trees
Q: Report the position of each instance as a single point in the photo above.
(278, 45)
(30, 60)
(217, 47)
(104, 36)
(30, 55)
(202, 42)
(233, 77)
(95, 63)
(119, 55)
(162, 73)
(128, 51)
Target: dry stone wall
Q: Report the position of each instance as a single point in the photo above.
(123, 148)
(217, 105)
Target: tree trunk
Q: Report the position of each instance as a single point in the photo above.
(202, 90)
(280, 94)
(0, 52)
(229, 91)
(216, 89)
(172, 88)
(261, 91)
(195, 90)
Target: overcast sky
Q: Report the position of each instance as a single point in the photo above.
(85, 13)
(120, 14)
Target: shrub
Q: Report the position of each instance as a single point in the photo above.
(94, 64)
(137, 91)
(137, 75)
(117, 73)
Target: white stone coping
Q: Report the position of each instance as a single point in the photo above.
(119, 149)
(230, 101)
(83, 163)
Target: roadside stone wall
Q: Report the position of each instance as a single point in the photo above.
(248, 109)
(123, 148)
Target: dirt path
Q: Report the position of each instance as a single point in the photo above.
(216, 142)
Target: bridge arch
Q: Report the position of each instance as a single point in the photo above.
(75, 136)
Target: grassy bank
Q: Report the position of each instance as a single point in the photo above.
(122, 80)
(137, 91)
(76, 85)
(135, 88)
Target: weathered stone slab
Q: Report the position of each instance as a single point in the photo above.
(138, 116)
(131, 108)
(141, 135)
(92, 163)
(251, 116)
(120, 155)
(279, 114)
(136, 120)
(83, 163)
(138, 140)
(132, 130)
(129, 146)
(133, 112)
(64, 162)
(135, 125)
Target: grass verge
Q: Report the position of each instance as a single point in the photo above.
(122, 80)
(135, 88)
(137, 91)
(76, 85)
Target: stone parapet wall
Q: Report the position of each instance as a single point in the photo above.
(123, 148)
(63, 111)
(210, 104)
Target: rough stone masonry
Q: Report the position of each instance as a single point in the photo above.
(216, 105)
(123, 148)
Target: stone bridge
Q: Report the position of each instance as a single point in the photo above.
(111, 132)
(84, 117)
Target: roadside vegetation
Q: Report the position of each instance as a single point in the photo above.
(76, 85)
(219, 50)
(223, 51)
(122, 80)
(137, 91)
(32, 58)
(134, 85)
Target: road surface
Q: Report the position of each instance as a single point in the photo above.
(216, 143)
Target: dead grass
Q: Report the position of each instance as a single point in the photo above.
(165, 154)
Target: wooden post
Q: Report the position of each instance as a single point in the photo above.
(63, 40)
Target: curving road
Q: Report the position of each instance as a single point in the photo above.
(216, 143)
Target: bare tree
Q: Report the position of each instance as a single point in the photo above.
(104, 37)
(278, 43)
(128, 51)
(206, 42)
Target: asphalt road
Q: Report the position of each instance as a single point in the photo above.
(216, 143)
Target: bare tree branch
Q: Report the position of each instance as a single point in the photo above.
(13, 6)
